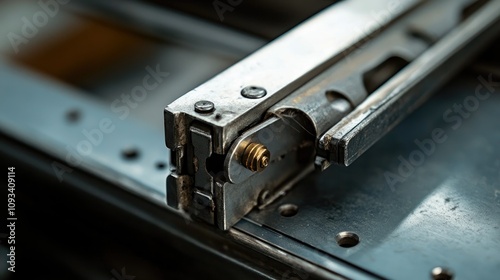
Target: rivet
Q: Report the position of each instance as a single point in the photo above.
(253, 92)
(204, 106)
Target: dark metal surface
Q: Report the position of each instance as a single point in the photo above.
(172, 25)
(34, 111)
(440, 209)
(267, 19)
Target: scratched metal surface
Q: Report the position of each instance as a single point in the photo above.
(445, 211)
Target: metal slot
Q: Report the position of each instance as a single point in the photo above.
(380, 74)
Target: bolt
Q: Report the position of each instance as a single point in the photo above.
(253, 92)
(204, 106)
(255, 157)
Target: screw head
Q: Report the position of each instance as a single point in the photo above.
(253, 92)
(204, 106)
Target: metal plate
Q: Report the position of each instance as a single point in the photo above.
(36, 110)
(445, 212)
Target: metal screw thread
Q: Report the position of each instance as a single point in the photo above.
(255, 157)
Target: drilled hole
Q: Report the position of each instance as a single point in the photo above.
(332, 95)
(347, 239)
(73, 115)
(263, 196)
(288, 210)
(160, 165)
(215, 164)
(130, 153)
(439, 273)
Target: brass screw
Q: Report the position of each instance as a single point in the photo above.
(255, 157)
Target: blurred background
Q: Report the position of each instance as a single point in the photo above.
(102, 48)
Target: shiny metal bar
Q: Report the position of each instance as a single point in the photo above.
(280, 67)
(391, 103)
